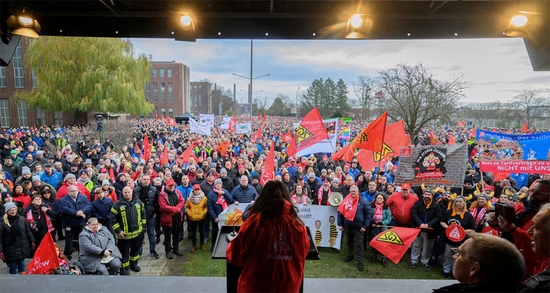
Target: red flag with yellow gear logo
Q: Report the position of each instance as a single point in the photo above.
(372, 137)
(311, 131)
(394, 243)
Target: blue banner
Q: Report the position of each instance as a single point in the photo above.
(494, 146)
(536, 149)
(484, 134)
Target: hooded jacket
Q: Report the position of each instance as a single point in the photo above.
(169, 207)
(93, 245)
(15, 238)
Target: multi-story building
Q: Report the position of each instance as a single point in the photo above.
(17, 77)
(168, 89)
(201, 101)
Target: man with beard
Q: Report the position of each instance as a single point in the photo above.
(149, 195)
(517, 232)
(242, 172)
(256, 183)
(200, 177)
(426, 214)
(312, 183)
(226, 181)
(322, 195)
(347, 185)
(171, 202)
(191, 173)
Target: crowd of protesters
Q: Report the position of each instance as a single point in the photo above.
(86, 191)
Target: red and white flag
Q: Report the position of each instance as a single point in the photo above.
(45, 257)
(269, 168)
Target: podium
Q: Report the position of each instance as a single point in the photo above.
(234, 272)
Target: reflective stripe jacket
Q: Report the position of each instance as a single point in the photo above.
(128, 217)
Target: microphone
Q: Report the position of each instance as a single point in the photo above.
(233, 233)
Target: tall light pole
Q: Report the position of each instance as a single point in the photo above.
(297, 101)
(250, 77)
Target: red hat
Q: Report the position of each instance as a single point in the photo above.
(405, 186)
(347, 165)
(241, 166)
(394, 168)
(170, 182)
(325, 157)
(251, 154)
(196, 186)
(292, 160)
(489, 187)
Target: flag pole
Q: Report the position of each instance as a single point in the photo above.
(381, 151)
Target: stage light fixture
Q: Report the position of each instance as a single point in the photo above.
(24, 24)
(358, 26)
(524, 24)
(185, 20)
(519, 20)
(356, 21)
(182, 25)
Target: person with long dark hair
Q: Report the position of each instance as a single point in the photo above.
(272, 244)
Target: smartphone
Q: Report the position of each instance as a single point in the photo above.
(505, 211)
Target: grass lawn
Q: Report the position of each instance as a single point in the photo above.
(330, 265)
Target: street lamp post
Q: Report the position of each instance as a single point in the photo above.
(250, 77)
(297, 101)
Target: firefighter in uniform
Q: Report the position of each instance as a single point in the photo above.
(129, 223)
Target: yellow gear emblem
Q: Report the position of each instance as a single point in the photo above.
(390, 237)
(302, 134)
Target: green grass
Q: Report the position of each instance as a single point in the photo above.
(330, 265)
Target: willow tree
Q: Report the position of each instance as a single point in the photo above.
(87, 74)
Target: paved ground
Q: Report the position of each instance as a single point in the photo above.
(149, 265)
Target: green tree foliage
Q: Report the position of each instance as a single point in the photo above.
(87, 74)
(277, 108)
(328, 97)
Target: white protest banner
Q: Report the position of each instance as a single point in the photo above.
(324, 146)
(321, 220)
(207, 119)
(225, 122)
(244, 128)
(199, 128)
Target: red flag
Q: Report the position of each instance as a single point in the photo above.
(161, 117)
(45, 257)
(394, 140)
(451, 139)
(348, 208)
(372, 136)
(394, 243)
(276, 122)
(231, 122)
(500, 175)
(524, 129)
(433, 139)
(164, 157)
(269, 167)
(287, 137)
(265, 117)
(258, 134)
(146, 148)
(35, 128)
(409, 140)
(311, 131)
(346, 154)
(473, 133)
(461, 123)
(187, 153)
(171, 121)
(156, 116)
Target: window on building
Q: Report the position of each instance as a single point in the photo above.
(162, 100)
(149, 115)
(34, 79)
(40, 117)
(200, 86)
(155, 93)
(195, 87)
(22, 114)
(162, 73)
(3, 82)
(200, 100)
(196, 101)
(148, 92)
(169, 72)
(169, 92)
(154, 72)
(58, 118)
(4, 113)
(170, 113)
(17, 61)
(163, 112)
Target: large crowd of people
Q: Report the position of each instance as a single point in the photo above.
(102, 198)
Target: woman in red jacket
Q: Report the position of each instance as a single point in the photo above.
(271, 245)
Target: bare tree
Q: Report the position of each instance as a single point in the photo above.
(413, 94)
(259, 105)
(528, 100)
(364, 88)
(478, 111)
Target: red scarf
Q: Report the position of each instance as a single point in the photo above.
(480, 214)
(377, 218)
(349, 207)
(30, 219)
(304, 199)
(221, 199)
(320, 195)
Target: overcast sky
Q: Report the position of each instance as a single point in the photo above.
(497, 68)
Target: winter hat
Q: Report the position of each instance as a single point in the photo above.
(223, 171)
(84, 171)
(35, 178)
(469, 180)
(311, 175)
(218, 181)
(39, 152)
(8, 206)
(13, 152)
(336, 180)
(105, 182)
(68, 176)
(88, 162)
(107, 161)
(257, 176)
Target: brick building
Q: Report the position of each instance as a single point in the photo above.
(201, 100)
(17, 77)
(168, 89)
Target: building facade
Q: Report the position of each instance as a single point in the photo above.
(17, 77)
(168, 89)
(201, 99)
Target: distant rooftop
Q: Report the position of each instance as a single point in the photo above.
(173, 61)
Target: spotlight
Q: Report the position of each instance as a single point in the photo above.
(24, 24)
(182, 25)
(358, 26)
(524, 24)
(185, 20)
(519, 20)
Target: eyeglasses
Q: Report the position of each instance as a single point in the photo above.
(455, 252)
(532, 191)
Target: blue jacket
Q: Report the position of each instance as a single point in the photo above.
(292, 170)
(244, 195)
(53, 179)
(102, 208)
(39, 141)
(185, 191)
(68, 209)
(354, 173)
(369, 196)
(521, 179)
(215, 209)
(363, 216)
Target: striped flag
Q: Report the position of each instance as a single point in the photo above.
(345, 133)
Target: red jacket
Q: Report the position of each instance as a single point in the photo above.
(401, 208)
(166, 210)
(63, 190)
(273, 255)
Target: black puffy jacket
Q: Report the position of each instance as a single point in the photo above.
(430, 216)
(151, 200)
(15, 247)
